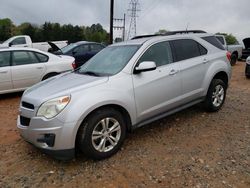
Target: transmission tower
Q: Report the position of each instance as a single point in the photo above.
(133, 9)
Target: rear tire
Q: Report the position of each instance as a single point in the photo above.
(233, 59)
(102, 134)
(216, 95)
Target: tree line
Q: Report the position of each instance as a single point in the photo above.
(53, 32)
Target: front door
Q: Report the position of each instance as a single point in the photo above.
(159, 90)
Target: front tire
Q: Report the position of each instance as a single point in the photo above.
(216, 95)
(102, 134)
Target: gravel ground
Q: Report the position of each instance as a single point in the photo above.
(189, 149)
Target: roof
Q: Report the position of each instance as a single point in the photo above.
(19, 48)
(86, 42)
(142, 40)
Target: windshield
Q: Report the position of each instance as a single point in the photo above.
(68, 48)
(109, 61)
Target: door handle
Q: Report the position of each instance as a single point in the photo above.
(3, 72)
(205, 61)
(173, 72)
(39, 67)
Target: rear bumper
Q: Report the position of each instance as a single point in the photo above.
(247, 70)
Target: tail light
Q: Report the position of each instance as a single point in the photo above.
(74, 65)
(229, 56)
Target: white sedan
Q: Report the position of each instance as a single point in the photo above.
(21, 68)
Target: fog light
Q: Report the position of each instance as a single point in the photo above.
(49, 139)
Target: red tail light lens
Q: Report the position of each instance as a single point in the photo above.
(74, 65)
(229, 56)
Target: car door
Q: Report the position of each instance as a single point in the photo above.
(157, 91)
(193, 61)
(19, 42)
(26, 69)
(5, 73)
(80, 53)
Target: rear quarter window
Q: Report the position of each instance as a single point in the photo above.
(41, 57)
(186, 49)
(214, 41)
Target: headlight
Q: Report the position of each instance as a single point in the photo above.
(53, 107)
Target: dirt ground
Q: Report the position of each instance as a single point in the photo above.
(189, 149)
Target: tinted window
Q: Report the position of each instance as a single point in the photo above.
(220, 39)
(42, 57)
(4, 59)
(23, 57)
(214, 41)
(159, 53)
(18, 41)
(95, 47)
(185, 49)
(81, 49)
(203, 51)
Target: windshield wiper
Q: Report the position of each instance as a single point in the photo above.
(90, 73)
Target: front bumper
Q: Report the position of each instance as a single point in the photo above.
(52, 136)
(247, 70)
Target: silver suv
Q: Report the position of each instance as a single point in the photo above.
(123, 87)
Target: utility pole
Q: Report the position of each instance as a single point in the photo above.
(111, 21)
(133, 14)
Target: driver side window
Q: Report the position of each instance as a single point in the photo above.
(160, 53)
(18, 41)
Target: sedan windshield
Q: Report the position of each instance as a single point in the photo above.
(109, 61)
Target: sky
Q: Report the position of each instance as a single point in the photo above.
(230, 16)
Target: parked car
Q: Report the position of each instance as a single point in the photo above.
(123, 87)
(246, 50)
(21, 68)
(247, 71)
(25, 41)
(235, 50)
(82, 51)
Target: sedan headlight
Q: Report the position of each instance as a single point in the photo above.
(53, 107)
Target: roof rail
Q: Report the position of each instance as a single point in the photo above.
(169, 33)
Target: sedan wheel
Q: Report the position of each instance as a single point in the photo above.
(218, 95)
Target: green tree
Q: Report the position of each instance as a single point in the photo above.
(230, 39)
(161, 31)
(6, 29)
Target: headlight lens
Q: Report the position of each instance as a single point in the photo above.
(53, 107)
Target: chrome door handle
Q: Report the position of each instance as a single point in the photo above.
(3, 72)
(173, 72)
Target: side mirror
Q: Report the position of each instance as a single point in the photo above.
(73, 52)
(248, 60)
(145, 66)
(10, 44)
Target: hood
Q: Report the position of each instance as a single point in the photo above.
(54, 47)
(61, 85)
(246, 42)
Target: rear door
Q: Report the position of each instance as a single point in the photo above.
(193, 66)
(26, 69)
(5, 72)
(157, 91)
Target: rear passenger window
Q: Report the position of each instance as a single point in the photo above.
(159, 53)
(95, 47)
(185, 49)
(4, 59)
(23, 58)
(214, 41)
(41, 57)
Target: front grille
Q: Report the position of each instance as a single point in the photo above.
(24, 121)
(28, 105)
